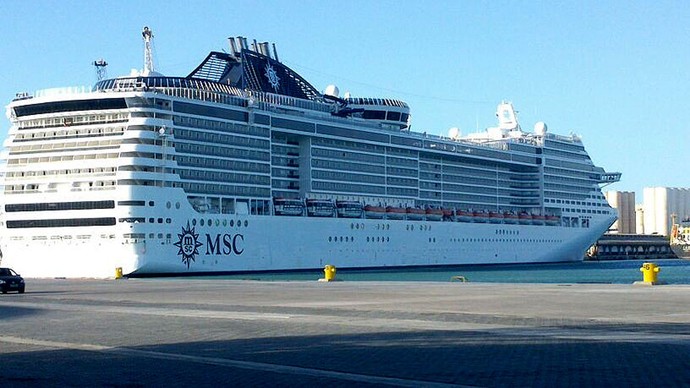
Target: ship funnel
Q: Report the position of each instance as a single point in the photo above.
(233, 48)
(242, 42)
(264, 49)
(275, 53)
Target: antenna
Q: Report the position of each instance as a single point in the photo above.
(100, 65)
(148, 50)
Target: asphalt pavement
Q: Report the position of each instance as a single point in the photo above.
(202, 333)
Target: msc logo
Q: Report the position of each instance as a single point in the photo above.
(189, 245)
(219, 244)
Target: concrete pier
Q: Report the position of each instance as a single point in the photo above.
(199, 333)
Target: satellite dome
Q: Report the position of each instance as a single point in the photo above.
(331, 90)
(454, 133)
(540, 128)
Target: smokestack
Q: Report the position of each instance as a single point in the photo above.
(264, 49)
(275, 53)
(233, 49)
(242, 42)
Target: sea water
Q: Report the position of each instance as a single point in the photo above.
(615, 272)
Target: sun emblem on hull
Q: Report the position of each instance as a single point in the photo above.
(272, 77)
(189, 244)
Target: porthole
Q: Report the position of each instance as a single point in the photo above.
(217, 222)
(177, 205)
(194, 222)
(201, 222)
(246, 223)
(168, 205)
(330, 238)
(232, 223)
(210, 222)
(150, 203)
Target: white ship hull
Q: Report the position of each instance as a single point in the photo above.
(247, 243)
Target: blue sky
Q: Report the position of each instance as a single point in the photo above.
(614, 72)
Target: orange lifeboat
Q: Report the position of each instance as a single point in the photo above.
(377, 212)
(538, 219)
(524, 218)
(463, 215)
(395, 213)
(552, 220)
(434, 214)
(510, 218)
(414, 213)
(480, 216)
(495, 217)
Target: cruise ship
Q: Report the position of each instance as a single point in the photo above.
(244, 166)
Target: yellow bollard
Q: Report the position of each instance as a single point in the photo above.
(329, 273)
(118, 273)
(650, 272)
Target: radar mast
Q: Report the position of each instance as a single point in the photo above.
(100, 66)
(147, 33)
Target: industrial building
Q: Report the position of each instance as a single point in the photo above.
(624, 202)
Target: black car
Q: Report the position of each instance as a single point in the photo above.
(11, 281)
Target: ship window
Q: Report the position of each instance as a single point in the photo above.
(232, 223)
(374, 114)
(151, 220)
(160, 220)
(201, 222)
(393, 116)
(70, 222)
